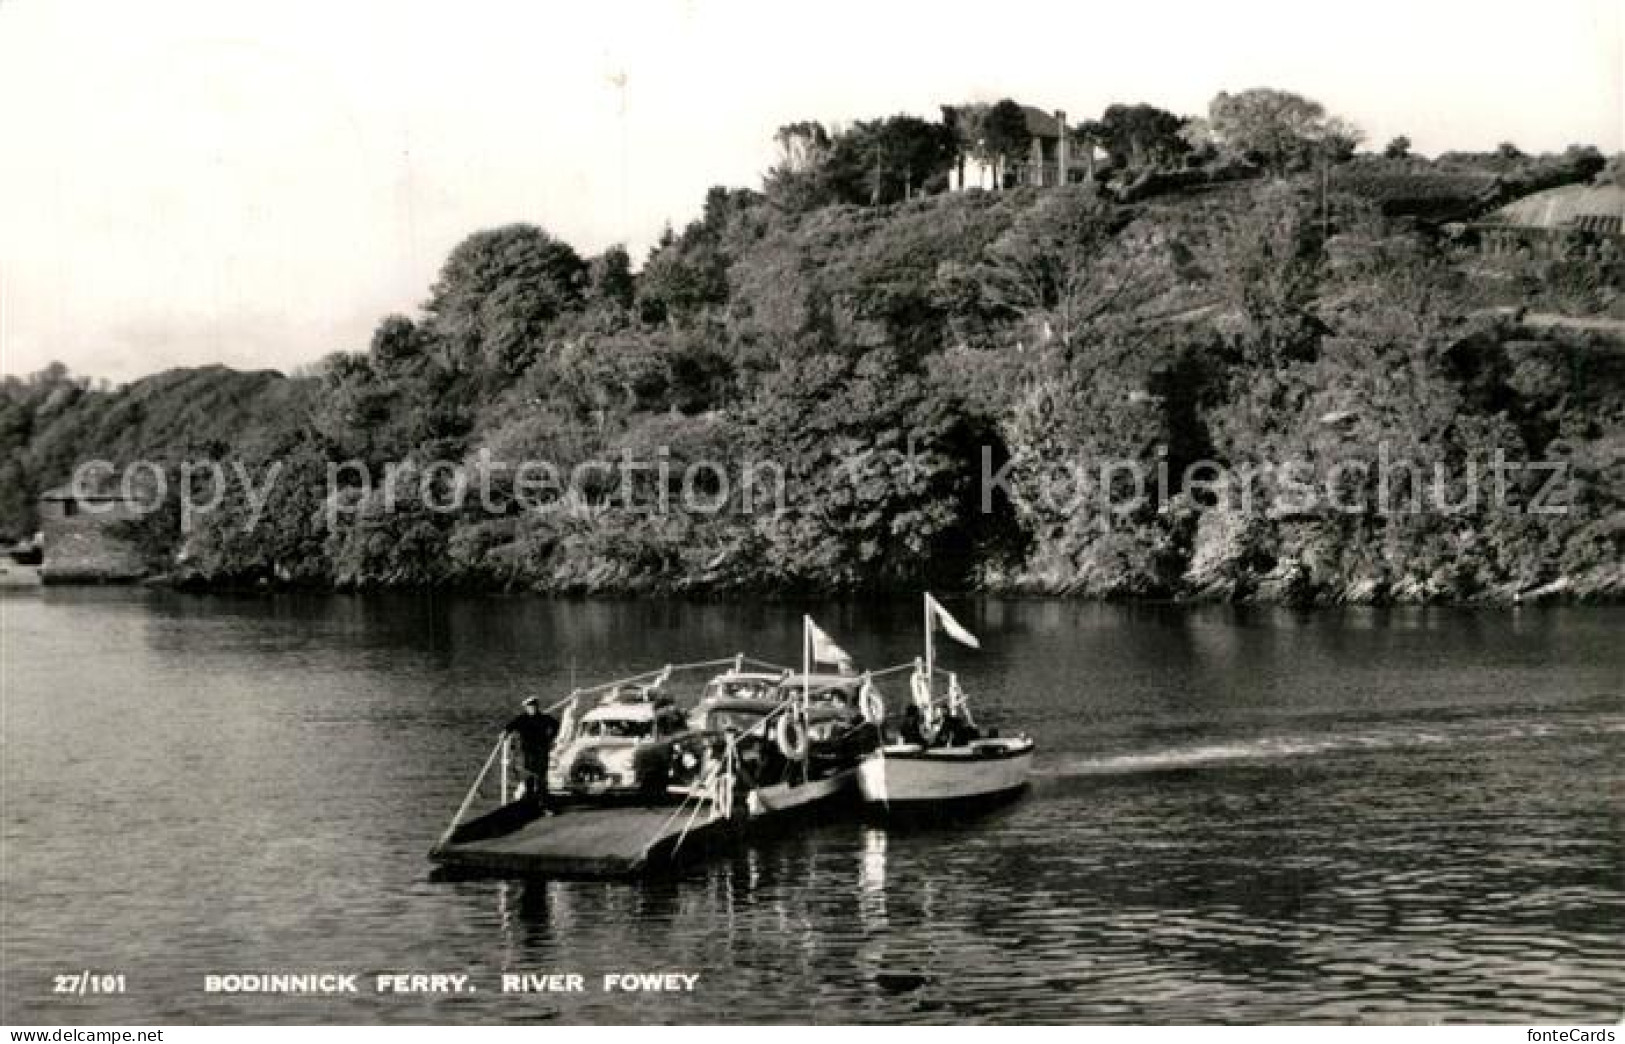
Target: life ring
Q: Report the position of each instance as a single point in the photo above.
(920, 690)
(792, 737)
(873, 707)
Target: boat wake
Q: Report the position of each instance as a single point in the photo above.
(1271, 748)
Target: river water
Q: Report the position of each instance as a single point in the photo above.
(1237, 815)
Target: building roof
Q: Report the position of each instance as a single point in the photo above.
(1596, 207)
(1041, 124)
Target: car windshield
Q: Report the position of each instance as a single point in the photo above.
(742, 690)
(617, 728)
(834, 695)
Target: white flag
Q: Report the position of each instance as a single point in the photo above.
(824, 649)
(950, 625)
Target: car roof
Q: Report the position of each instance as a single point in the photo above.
(737, 677)
(621, 712)
(739, 703)
(760, 708)
(822, 682)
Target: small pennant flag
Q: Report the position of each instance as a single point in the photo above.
(939, 615)
(824, 649)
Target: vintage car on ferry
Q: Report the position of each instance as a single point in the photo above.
(798, 738)
(623, 745)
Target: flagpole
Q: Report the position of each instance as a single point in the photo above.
(806, 660)
(806, 681)
(930, 655)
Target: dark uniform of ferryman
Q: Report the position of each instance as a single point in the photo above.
(536, 731)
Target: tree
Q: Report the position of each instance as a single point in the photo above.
(1090, 135)
(1338, 140)
(1265, 257)
(497, 293)
(802, 146)
(875, 497)
(1139, 136)
(966, 123)
(679, 282)
(1613, 171)
(1398, 149)
(875, 162)
(1587, 161)
(1005, 138)
(883, 161)
(1056, 267)
(684, 275)
(397, 344)
(610, 278)
(1278, 129)
(800, 180)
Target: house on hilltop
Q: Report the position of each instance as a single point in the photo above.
(1053, 158)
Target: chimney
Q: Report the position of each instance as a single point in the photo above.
(1063, 150)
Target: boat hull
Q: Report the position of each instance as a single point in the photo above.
(787, 797)
(913, 776)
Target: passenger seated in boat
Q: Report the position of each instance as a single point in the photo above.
(936, 732)
(954, 731)
(536, 731)
(912, 730)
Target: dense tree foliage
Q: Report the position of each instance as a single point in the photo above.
(1005, 138)
(1136, 136)
(873, 162)
(1280, 130)
(849, 382)
(497, 293)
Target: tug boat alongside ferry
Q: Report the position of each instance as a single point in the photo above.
(911, 777)
(951, 763)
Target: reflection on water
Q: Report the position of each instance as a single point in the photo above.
(1238, 815)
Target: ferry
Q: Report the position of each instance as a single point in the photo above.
(611, 807)
(611, 811)
(636, 784)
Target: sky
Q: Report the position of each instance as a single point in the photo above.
(256, 184)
